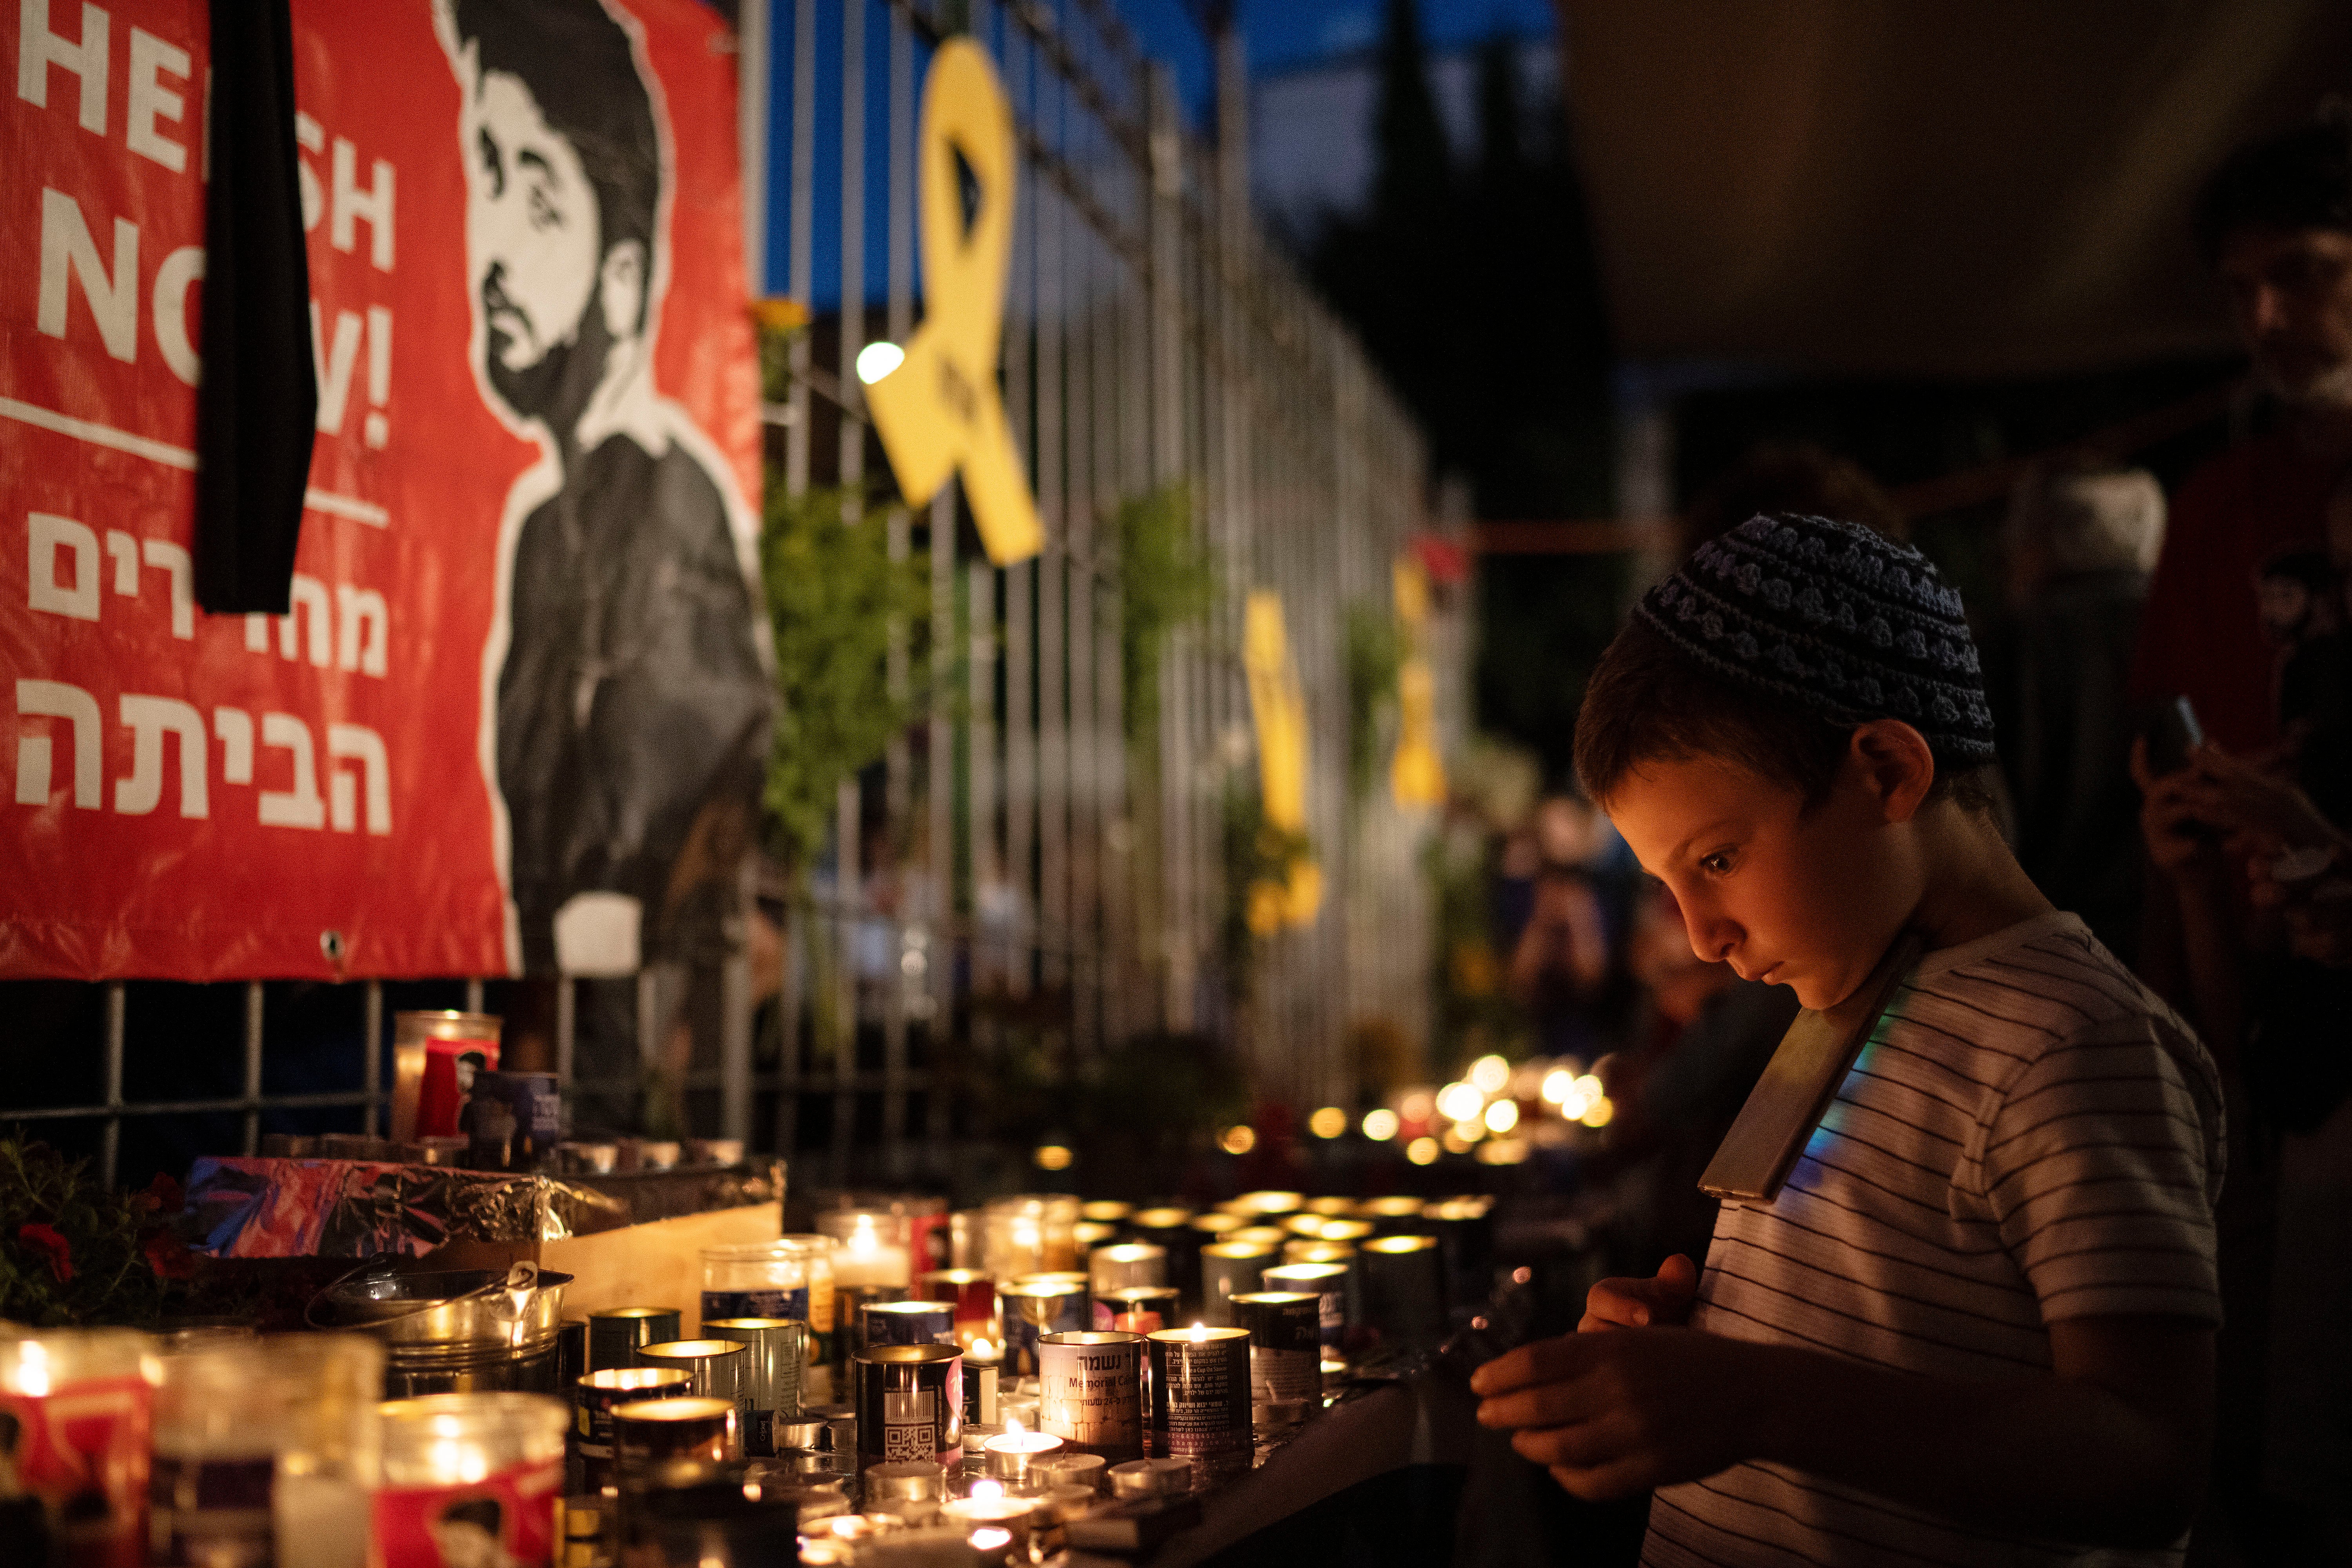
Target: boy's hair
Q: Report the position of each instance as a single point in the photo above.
(1772, 644)
(1648, 701)
(2296, 178)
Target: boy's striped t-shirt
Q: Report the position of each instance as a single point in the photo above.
(2028, 1136)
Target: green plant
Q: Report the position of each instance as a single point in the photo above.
(1375, 656)
(833, 595)
(1167, 578)
(74, 1253)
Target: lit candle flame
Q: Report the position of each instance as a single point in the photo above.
(982, 1347)
(988, 1488)
(1200, 1332)
(1012, 1425)
(990, 1539)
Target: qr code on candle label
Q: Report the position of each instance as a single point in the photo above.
(908, 1443)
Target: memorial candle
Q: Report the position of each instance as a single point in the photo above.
(1200, 1397)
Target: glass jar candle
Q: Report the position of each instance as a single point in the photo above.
(755, 1279)
(469, 1476)
(83, 1406)
(265, 1449)
(434, 1056)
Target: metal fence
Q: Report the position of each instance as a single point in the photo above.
(1017, 864)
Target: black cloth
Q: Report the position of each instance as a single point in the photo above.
(258, 405)
(2058, 672)
(632, 700)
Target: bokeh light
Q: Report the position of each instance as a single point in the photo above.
(1053, 1157)
(1490, 1074)
(1502, 1116)
(1422, 1151)
(1239, 1138)
(1329, 1122)
(1380, 1125)
(1460, 1102)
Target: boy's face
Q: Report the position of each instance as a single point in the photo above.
(1806, 899)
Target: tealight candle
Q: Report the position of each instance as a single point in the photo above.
(1012, 1451)
(989, 1509)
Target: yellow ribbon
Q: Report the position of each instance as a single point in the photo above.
(1417, 776)
(939, 411)
(1278, 714)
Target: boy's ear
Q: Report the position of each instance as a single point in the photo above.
(1894, 763)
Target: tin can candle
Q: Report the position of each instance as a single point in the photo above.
(772, 1349)
(1172, 1228)
(1090, 1391)
(1139, 1308)
(615, 1333)
(1268, 1204)
(1393, 1215)
(971, 1292)
(82, 1404)
(1105, 1211)
(1230, 1269)
(1402, 1278)
(596, 1395)
(1330, 1206)
(1110, 1268)
(1090, 1234)
(1352, 1231)
(982, 1361)
(1315, 1250)
(910, 1402)
(1200, 1397)
(755, 1279)
(1326, 1280)
(1285, 1331)
(1035, 1307)
(1268, 1235)
(651, 1430)
(1466, 1239)
(719, 1369)
(908, 1323)
(471, 1478)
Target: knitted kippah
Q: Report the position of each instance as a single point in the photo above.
(1837, 619)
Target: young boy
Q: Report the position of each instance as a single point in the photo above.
(1976, 1323)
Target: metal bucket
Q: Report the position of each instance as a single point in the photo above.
(456, 1331)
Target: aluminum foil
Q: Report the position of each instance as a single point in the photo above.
(257, 1207)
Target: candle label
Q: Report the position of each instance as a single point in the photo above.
(792, 1303)
(909, 1430)
(1091, 1397)
(506, 1517)
(83, 1451)
(211, 1510)
(1200, 1405)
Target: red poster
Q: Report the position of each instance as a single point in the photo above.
(515, 718)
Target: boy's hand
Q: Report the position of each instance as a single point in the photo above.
(1663, 1302)
(1612, 1414)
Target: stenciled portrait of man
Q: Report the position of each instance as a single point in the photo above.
(628, 675)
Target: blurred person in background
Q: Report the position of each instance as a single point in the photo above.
(2276, 222)
(2080, 543)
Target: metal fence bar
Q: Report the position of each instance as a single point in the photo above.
(253, 1001)
(111, 1139)
(372, 1055)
